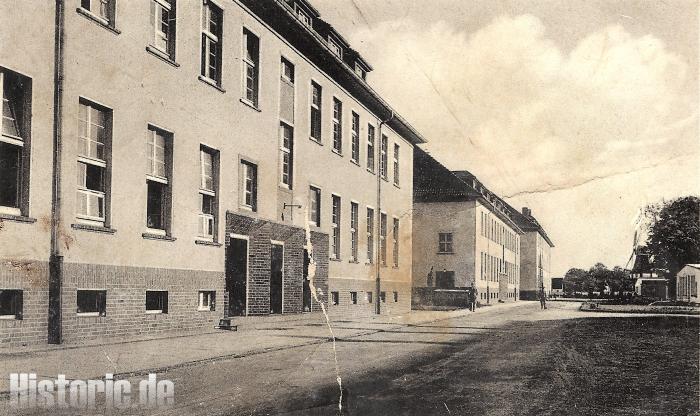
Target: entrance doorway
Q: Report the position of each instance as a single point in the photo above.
(276, 277)
(306, 295)
(237, 276)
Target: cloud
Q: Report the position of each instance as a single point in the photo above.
(508, 103)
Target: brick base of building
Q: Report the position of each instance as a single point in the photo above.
(528, 295)
(32, 278)
(125, 307)
(346, 307)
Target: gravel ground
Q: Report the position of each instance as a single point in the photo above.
(589, 366)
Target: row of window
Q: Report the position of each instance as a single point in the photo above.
(354, 228)
(94, 302)
(316, 121)
(499, 233)
(94, 173)
(492, 267)
(495, 295)
(335, 297)
(163, 20)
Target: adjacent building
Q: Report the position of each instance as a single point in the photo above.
(165, 163)
(687, 283)
(536, 255)
(463, 235)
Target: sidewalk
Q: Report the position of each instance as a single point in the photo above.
(132, 358)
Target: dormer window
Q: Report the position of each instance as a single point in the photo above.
(303, 16)
(360, 72)
(335, 47)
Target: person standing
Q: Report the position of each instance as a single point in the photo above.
(472, 298)
(429, 279)
(543, 298)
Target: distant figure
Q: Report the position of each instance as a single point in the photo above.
(430, 277)
(472, 298)
(543, 299)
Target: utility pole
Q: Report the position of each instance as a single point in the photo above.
(55, 324)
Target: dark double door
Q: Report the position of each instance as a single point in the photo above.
(237, 278)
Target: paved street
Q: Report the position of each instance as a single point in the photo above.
(502, 360)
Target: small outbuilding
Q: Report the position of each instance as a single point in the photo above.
(687, 283)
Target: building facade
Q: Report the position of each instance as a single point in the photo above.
(536, 259)
(463, 235)
(168, 163)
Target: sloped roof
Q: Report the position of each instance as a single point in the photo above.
(433, 182)
(524, 222)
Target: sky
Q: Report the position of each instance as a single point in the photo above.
(584, 111)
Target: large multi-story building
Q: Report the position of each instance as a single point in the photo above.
(536, 255)
(463, 234)
(166, 163)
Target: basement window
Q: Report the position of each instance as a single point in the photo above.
(92, 302)
(156, 301)
(353, 298)
(11, 301)
(207, 300)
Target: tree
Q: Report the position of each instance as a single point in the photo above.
(674, 237)
(575, 280)
(598, 277)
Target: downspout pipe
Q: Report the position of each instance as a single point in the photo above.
(55, 324)
(378, 280)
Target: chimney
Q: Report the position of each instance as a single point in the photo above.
(527, 212)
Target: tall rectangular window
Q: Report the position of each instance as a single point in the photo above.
(335, 224)
(370, 235)
(445, 243)
(315, 206)
(396, 164)
(337, 125)
(384, 157)
(353, 229)
(249, 185)
(382, 238)
(355, 151)
(208, 193)
(159, 153)
(163, 21)
(287, 71)
(93, 162)
(15, 91)
(370, 148)
(316, 105)
(251, 65)
(395, 241)
(212, 21)
(287, 91)
(103, 10)
(286, 155)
